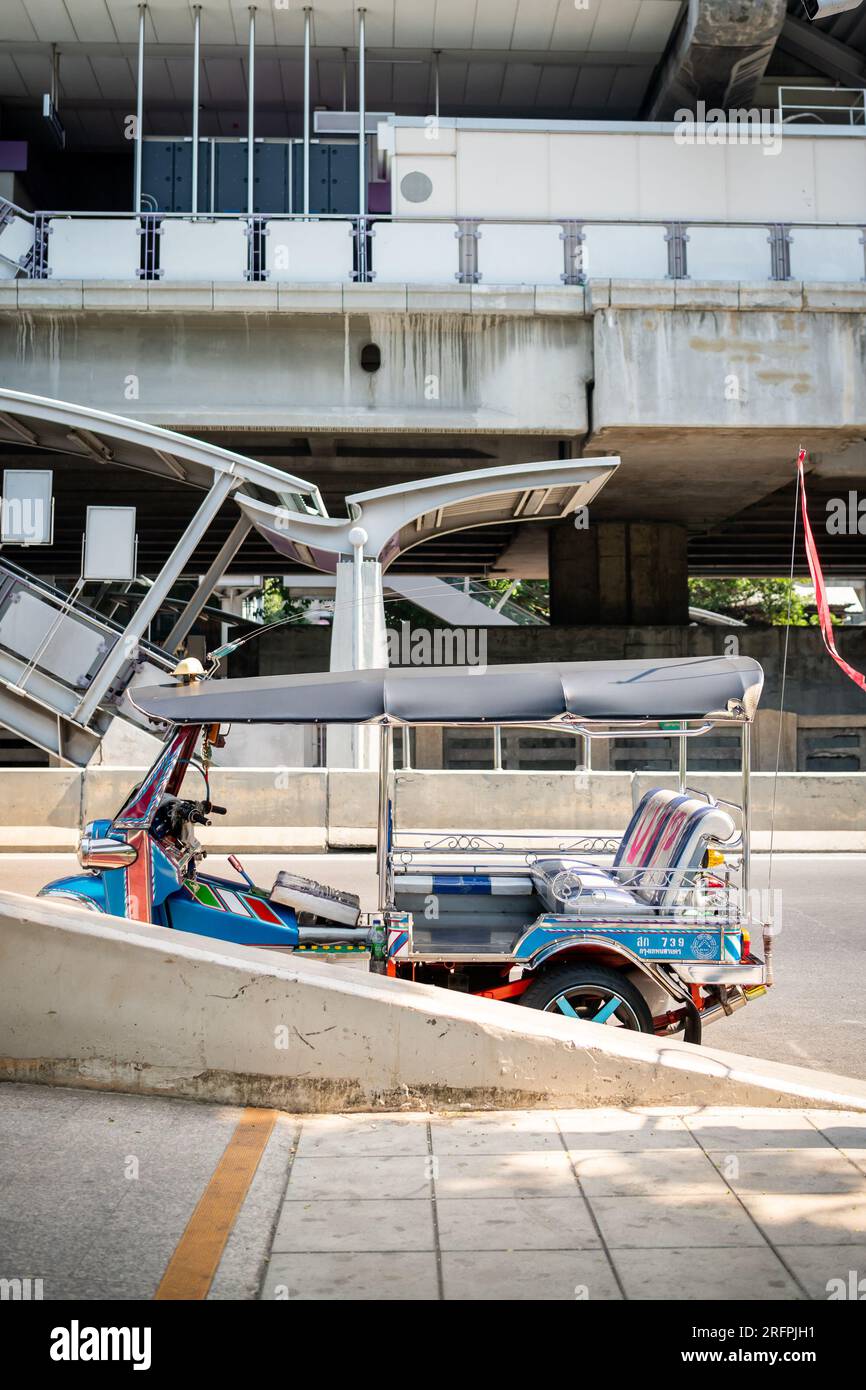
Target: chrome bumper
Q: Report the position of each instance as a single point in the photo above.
(754, 972)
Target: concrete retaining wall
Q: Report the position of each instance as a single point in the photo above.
(308, 809)
(115, 1005)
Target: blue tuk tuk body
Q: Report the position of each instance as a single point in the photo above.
(650, 931)
(161, 884)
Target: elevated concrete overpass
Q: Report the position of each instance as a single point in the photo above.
(705, 390)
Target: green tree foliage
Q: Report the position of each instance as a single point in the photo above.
(759, 602)
(531, 594)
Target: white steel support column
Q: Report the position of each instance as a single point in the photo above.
(307, 15)
(362, 116)
(358, 538)
(124, 649)
(196, 66)
(251, 113)
(359, 616)
(139, 109)
(209, 581)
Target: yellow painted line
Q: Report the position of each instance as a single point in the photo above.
(190, 1271)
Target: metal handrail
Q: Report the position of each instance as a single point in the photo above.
(552, 220)
(528, 845)
(573, 226)
(804, 108)
(82, 612)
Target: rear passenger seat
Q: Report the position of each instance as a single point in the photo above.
(668, 831)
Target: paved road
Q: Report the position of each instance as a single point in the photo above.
(815, 1015)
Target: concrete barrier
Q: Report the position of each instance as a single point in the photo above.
(286, 809)
(110, 1004)
(41, 796)
(352, 808)
(515, 801)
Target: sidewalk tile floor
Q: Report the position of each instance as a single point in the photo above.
(573, 1205)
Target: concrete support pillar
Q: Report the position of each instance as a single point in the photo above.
(618, 573)
(429, 746)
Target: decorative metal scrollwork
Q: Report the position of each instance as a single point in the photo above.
(463, 841)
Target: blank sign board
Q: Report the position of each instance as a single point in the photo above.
(109, 543)
(28, 510)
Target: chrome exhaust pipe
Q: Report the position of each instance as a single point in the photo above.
(737, 999)
(335, 934)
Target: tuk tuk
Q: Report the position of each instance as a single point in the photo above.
(652, 929)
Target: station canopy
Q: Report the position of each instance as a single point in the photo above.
(78, 431)
(688, 689)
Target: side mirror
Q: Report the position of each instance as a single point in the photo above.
(98, 853)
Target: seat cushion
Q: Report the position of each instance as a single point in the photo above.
(679, 850)
(306, 895)
(584, 891)
(643, 831)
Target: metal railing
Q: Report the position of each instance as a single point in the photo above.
(805, 103)
(469, 245)
(56, 634)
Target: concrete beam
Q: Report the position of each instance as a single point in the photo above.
(761, 377)
(496, 371)
(719, 55)
(114, 1005)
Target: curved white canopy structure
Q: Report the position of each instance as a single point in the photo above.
(398, 518)
(66, 428)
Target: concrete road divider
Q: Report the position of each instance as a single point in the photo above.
(309, 809)
(102, 1002)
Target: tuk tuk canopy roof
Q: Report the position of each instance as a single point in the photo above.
(690, 688)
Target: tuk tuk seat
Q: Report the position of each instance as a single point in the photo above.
(663, 844)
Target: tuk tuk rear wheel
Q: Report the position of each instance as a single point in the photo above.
(593, 993)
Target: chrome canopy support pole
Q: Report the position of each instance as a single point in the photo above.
(683, 760)
(497, 747)
(358, 539)
(139, 109)
(747, 811)
(126, 646)
(362, 119)
(407, 748)
(436, 83)
(251, 114)
(307, 16)
(386, 739)
(214, 574)
(196, 66)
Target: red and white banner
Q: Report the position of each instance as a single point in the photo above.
(820, 587)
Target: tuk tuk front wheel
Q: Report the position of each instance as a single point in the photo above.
(592, 993)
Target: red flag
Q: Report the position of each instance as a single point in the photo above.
(820, 588)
